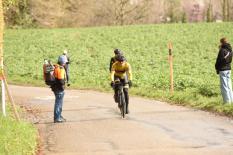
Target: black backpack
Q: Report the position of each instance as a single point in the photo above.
(48, 70)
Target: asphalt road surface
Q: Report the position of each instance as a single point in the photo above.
(94, 126)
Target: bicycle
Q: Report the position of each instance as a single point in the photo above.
(120, 97)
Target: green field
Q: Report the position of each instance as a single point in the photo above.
(145, 47)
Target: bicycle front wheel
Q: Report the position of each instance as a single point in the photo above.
(123, 105)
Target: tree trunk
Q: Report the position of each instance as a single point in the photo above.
(224, 10)
(228, 10)
(209, 14)
(1, 32)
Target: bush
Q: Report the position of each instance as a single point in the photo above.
(208, 90)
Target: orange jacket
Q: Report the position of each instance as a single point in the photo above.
(59, 72)
(60, 76)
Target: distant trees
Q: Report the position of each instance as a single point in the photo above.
(129, 12)
(17, 12)
(173, 12)
(195, 13)
(183, 11)
(121, 12)
(73, 13)
(219, 10)
(227, 13)
(225, 9)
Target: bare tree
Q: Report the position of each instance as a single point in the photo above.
(225, 9)
(156, 11)
(230, 10)
(122, 12)
(173, 11)
(209, 12)
(74, 12)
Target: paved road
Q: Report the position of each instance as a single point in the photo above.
(94, 126)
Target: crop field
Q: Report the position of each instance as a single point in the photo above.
(145, 47)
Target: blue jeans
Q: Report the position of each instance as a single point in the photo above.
(226, 87)
(58, 104)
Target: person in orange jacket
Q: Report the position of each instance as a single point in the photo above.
(58, 89)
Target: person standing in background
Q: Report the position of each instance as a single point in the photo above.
(223, 68)
(64, 58)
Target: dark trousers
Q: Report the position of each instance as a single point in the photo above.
(126, 93)
(67, 69)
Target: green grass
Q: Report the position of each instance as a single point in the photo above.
(145, 47)
(17, 138)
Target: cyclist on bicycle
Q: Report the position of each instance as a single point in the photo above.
(121, 70)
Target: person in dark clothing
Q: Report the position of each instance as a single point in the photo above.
(113, 59)
(58, 89)
(223, 68)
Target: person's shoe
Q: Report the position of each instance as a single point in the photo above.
(58, 121)
(127, 111)
(63, 119)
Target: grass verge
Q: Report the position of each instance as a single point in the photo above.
(17, 138)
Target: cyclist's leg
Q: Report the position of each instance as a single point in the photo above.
(115, 91)
(126, 93)
(115, 95)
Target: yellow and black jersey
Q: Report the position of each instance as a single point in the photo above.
(121, 69)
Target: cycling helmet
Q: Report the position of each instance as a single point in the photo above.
(62, 60)
(117, 51)
(120, 58)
